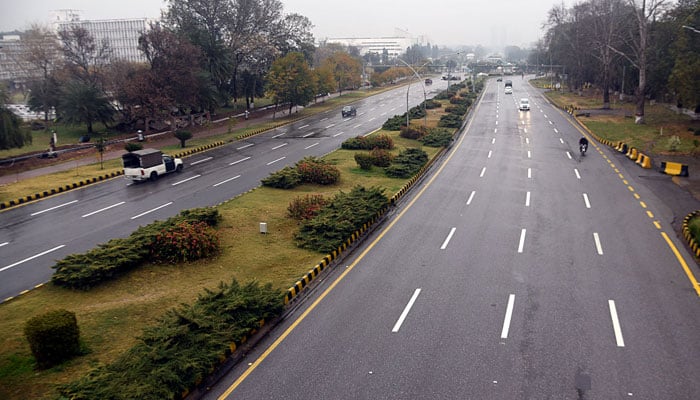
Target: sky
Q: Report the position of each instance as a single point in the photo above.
(490, 23)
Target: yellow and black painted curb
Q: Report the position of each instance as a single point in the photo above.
(674, 168)
(688, 235)
(199, 149)
(60, 189)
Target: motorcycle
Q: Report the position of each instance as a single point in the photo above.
(583, 147)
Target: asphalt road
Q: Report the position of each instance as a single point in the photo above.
(34, 236)
(518, 270)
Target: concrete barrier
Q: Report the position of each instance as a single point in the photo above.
(673, 168)
(643, 161)
(632, 154)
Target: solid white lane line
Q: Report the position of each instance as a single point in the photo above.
(616, 324)
(529, 173)
(489, 156)
(527, 140)
(568, 155)
(397, 326)
(323, 119)
(248, 145)
(185, 180)
(330, 126)
(578, 176)
(493, 140)
(545, 115)
(495, 130)
(103, 209)
(152, 210)
(308, 134)
(274, 161)
(239, 161)
(555, 130)
(357, 126)
(471, 197)
(303, 126)
(338, 134)
(226, 181)
(550, 122)
(447, 239)
(371, 119)
(53, 208)
(483, 171)
(308, 147)
(529, 154)
(278, 135)
(585, 200)
(527, 199)
(509, 315)
(201, 161)
(598, 247)
(282, 145)
(561, 140)
(32, 257)
(525, 130)
(521, 245)
(4, 244)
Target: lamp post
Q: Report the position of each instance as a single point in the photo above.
(425, 117)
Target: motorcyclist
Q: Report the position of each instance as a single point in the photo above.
(583, 145)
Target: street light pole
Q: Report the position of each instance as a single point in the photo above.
(425, 117)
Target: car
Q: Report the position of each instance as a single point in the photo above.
(428, 81)
(499, 79)
(524, 105)
(509, 90)
(509, 83)
(349, 111)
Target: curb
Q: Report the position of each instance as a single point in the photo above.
(687, 234)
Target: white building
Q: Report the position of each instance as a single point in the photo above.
(122, 35)
(394, 45)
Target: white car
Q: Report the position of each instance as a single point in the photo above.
(509, 90)
(524, 105)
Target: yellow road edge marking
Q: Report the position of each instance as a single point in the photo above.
(349, 268)
(684, 264)
(630, 188)
(643, 204)
(650, 214)
(657, 224)
(636, 196)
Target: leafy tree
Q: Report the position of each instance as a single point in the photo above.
(11, 134)
(183, 136)
(685, 79)
(347, 71)
(291, 81)
(84, 103)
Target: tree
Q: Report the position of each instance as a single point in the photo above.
(347, 71)
(291, 81)
(183, 136)
(84, 57)
(11, 134)
(84, 103)
(41, 51)
(685, 76)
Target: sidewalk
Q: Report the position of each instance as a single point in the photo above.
(69, 161)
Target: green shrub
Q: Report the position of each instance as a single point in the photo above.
(184, 242)
(286, 178)
(394, 123)
(109, 260)
(431, 104)
(450, 121)
(318, 171)
(364, 161)
(407, 163)
(184, 346)
(437, 137)
(338, 220)
(53, 337)
(381, 157)
(416, 112)
(369, 142)
(459, 109)
(444, 95)
(306, 207)
(132, 146)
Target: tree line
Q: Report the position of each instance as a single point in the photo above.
(649, 46)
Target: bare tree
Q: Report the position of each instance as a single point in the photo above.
(84, 57)
(41, 51)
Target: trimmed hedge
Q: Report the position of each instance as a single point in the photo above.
(118, 256)
(306, 207)
(394, 123)
(369, 142)
(338, 220)
(450, 121)
(53, 337)
(183, 348)
(286, 178)
(438, 137)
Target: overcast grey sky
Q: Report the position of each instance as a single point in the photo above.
(443, 22)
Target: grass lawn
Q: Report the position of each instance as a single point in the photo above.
(112, 315)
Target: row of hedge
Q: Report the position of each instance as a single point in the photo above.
(159, 241)
(183, 348)
(308, 170)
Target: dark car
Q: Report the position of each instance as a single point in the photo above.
(428, 81)
(349, 111)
